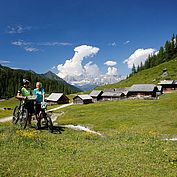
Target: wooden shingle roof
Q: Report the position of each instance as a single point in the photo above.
(142, 88)
(96, 93)
(84, 97)
(165, 82)
(112, 94)
(54, 96)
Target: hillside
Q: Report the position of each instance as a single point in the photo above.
(135, 142)
(11, 80)
(150, 76)
(52, 76)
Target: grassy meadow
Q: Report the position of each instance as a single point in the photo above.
(10, 103)
(148, 76)
(132, 143)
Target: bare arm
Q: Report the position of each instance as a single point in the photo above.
(18, 96)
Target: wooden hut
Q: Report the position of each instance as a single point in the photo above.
(106, 96)
(159, 90)
(57, 98)
(142, 91)
(96, 95)
(168, 85)
(82, 99)
(122, 90)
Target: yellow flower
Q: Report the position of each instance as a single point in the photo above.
(26, 133)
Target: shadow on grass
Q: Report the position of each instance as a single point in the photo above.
(56, 129)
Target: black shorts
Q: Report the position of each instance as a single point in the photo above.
(29, 106)
(38, 108)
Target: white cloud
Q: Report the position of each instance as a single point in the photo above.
(112, 71)
(126, 42)
(21, 43)
(27, 46)
(74, 72)
(17, 29)
(4, 62)
(73, 67)
(110, 63)
(54, 44)
(31, 49)
(91, 69)
(113, 44)
(140, 55)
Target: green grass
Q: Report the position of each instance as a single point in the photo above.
(11, 103)
(132, 144)
(148, 76)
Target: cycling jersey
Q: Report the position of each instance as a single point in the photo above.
(39, 94)
(25, 91)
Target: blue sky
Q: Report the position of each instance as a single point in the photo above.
(38, 34)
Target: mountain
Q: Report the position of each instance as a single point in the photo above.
(88, 82)
(87, 87)
(11, 81)
(51, 75)
(164, 71)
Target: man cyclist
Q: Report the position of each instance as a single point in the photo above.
(23, 93)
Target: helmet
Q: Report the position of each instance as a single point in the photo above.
(26, 81)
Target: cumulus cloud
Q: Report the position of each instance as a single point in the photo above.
(140, 55)
(17, 29)
(112, 71)
(91, 69)
(110, 63)
(76, 73)
(74, 66)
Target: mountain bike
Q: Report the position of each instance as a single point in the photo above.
(20, 113)
(46, 117)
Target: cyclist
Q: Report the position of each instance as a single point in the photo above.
(23, 93)
(40, 94)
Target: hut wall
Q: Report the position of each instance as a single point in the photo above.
(78, 101)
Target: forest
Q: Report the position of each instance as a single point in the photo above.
(11, 81)
(166, 53)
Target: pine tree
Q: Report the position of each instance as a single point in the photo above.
(133, 69)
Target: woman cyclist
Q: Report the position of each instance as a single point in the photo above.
(40, 94)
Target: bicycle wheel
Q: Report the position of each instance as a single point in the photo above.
(24, 118)
(16, 115)
(49, 123)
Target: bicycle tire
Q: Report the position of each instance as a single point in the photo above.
(49, 123)
(24, 118)
(16, 115)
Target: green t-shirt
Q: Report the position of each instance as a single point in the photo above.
(25, 91)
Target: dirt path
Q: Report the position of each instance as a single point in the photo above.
(6, 119)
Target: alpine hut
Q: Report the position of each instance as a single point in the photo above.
(106, 96)
(57, 98)
(142, 91)
(96, 95)
(168, 85)
(82, 99)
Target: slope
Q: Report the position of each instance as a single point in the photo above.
(11, 80)
(148, 76)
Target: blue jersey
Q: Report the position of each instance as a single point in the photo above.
(39, 94)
